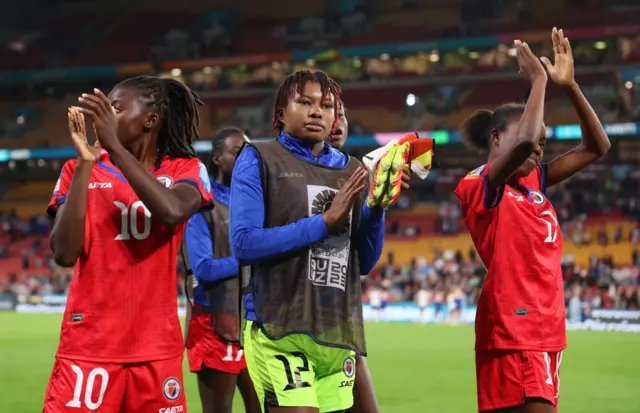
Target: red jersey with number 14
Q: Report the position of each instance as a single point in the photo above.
(122, 303)
(518, 238)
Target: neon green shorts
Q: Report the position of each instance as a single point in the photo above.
(295, 371)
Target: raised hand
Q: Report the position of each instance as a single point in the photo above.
(530, 67)
(561, 71)
(101, 112)
(78, 131)
(344, 199)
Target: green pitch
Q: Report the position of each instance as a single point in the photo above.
(416, 368)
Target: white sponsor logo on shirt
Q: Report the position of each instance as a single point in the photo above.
(174, 409)
(93, 185)
(517, 197)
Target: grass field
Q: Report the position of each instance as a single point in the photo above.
(416, 368)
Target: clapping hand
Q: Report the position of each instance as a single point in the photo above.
(530, 67)
(78, 131)
(344, 199)
(561, 71)
(103, 116)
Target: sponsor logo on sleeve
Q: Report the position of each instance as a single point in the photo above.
(204, 177)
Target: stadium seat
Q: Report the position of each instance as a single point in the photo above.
(420, 209)
(406, 250)
(30, 191)
(437, 17)
(24, 210)
(54, 129)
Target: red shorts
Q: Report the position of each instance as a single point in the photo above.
(206, 348)
(85, 387)
(505, 378)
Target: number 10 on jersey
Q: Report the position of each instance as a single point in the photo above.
(129, 221)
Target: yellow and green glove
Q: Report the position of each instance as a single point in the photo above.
(388, 164)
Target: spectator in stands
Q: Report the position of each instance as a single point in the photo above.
(575, 306)
(449, 216)
(603, 237)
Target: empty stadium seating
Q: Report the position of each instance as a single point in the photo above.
(407, 249)
(27, 200)
(51, 129)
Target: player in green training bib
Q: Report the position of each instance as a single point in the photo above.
(300, 222)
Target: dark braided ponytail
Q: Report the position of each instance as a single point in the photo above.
(178, 108)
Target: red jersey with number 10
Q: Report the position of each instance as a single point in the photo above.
(122, 303)
(518, 238)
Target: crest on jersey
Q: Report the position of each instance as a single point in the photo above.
(204, 177)
(476, 173)
(348, 367)
(166, 180)
(171, 389)
(536, 197)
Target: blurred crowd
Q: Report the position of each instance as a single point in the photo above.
(454, 276)
(27, 267)
(450, 278)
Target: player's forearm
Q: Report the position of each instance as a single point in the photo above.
(67, 236)
(198, 241)
(252, 244)
(530, 125)
(250, 241)
(594, 137)
(163, 203)
(211, 270)
(526, 142)
(370, 238)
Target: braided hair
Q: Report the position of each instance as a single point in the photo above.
(295, 82)
(217, 143)
(178, 108)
